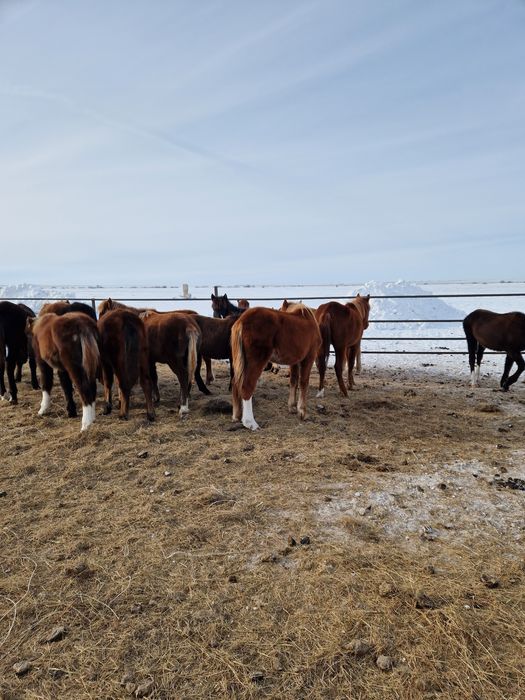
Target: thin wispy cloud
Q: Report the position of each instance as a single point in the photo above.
(237, 140)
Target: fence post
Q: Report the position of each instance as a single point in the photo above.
(93, 305)
(216, 290)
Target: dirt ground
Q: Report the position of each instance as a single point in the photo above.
(169, 556)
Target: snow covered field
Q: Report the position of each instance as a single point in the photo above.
(390, 317)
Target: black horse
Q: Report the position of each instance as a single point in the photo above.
(222, 306)
(503, 332)
(14, 348)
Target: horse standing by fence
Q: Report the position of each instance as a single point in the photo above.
(502, 332)
(124, 352)
(109, 304)
(173, 339)
(290, 336)
(30, 353)
(65, 307)
(69, 344)
(341, 325)
(222, 306)
(13, 348)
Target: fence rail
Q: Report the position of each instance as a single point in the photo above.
(394, 339)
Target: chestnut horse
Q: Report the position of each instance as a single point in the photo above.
(66, 307)
(13, 348)
(124, 352)
(173, 339)
(69, 344)
(342, 326)
(504, 332)
(290, 336)
(109, 304)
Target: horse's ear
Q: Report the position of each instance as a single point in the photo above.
(368, 296)
(225, 297)
(213, 297)
(358, 294)
(110, 303)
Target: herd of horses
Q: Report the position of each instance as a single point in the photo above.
(128, 342)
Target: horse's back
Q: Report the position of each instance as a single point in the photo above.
(496, 331)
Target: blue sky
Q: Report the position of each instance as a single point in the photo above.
(225, 141)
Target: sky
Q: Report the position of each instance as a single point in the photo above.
(261, 141)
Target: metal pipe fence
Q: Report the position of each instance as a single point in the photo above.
(366, 339)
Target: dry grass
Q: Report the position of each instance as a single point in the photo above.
(176, 566)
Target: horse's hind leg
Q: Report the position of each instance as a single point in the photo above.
(147, 388)
(32, 369)
(18, 374)
(350, 361)
(210, 377)
(198, 379)
(294, 381)
(479, 356)
(123, 394)
(179, 368)
(2, 369)
(339, 367)
(252, 372)
(107, 380)
(506, 371)
(154, 381)
(10, 366)
(67, 388)
(46, 380)
(518, 359)
(358, 358)
(321, 367)
(304, 380)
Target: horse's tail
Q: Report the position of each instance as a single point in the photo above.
(193, 345)
(238, 358)
(131, 359)
(472, 343)
(326, 336)
(90, 354)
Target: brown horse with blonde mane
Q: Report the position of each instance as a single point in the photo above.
(124, 352)
(173, 339)
(289, 336)
(69, 344)
(341, 325)
(504, 332)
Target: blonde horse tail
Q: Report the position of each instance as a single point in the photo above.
(90, 354)
(193, 341)
(237, 354)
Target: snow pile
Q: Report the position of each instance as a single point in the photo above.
(391, 309)
(30, 292)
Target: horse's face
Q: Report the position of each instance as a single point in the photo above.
(219, 305)
(104, 307)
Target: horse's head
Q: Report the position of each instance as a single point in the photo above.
(30, 321)
(363, 304)
(219, 304)
(243, 303)
(285, 305)
(105, 306)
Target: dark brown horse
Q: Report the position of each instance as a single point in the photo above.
(30, 354)
(69, 344)
(124, 352)
(13, 348)
(502, 332)
(290, 336)
(222, 306)
(66, 307)
(173, 339)
(342, 326)
(216, 334)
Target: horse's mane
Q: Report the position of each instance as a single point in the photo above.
(298, 307)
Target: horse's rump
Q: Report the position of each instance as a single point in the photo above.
(501, 332)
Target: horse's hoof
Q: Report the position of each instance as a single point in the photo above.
(106, 410)
(150, 417)
(250, 424)
(123, 417)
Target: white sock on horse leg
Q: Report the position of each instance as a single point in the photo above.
(46, 402)
(478, 372)
(473, 378)
(184, 408)
(248, 419)
(87, 417)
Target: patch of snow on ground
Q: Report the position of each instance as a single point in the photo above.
(448, 502)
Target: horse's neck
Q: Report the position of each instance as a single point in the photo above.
(358, 307)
